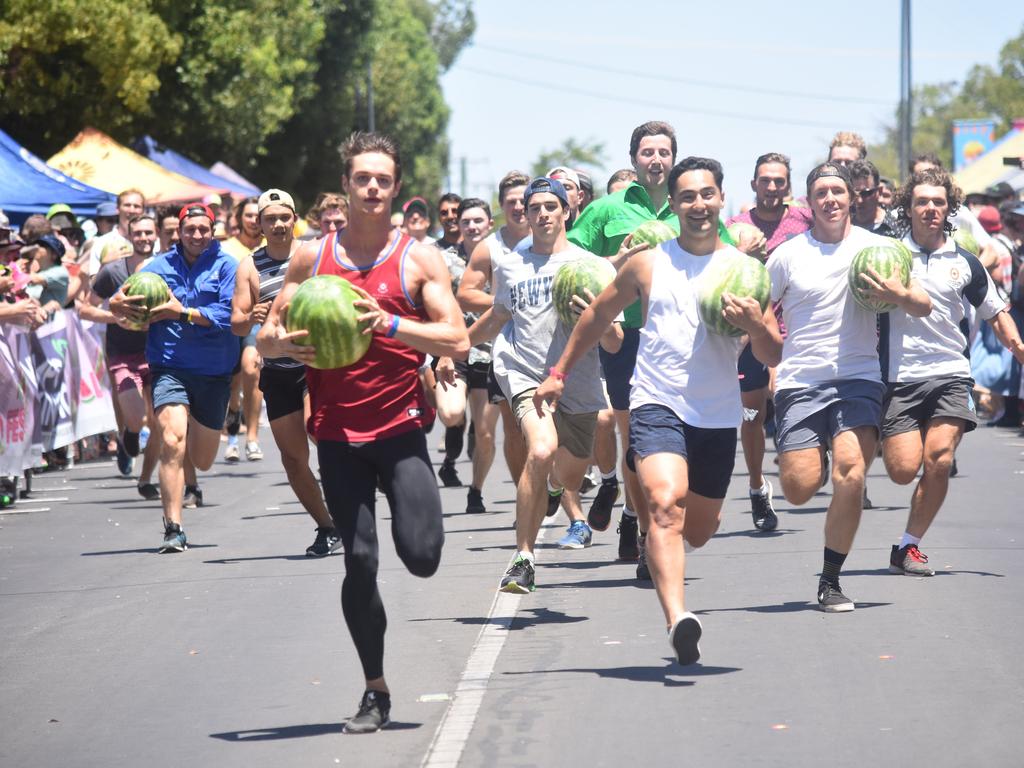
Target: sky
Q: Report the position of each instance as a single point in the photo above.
(735, 78)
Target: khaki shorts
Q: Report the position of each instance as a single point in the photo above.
(575, 430)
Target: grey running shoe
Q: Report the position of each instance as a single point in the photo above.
(519, 578)
(909, 561)
(683, 637)
(600, 514)
(643, 571)
(831, 598)
(627, 531)
(253, 452)
(374, 713)
(174, 538)
(327, 541)
(762, 510)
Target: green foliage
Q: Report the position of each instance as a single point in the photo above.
(572, 154)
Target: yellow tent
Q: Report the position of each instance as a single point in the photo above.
(989, 168)
(96, 159)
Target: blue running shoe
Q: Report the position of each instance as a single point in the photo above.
(174, 538)
(577, 537)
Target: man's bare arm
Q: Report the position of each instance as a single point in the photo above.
(472, 295)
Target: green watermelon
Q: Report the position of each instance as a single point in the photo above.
(890, 259)
(589, 271)
(150, 285)
(736, 273)
(966, 240)
(653, 233)
(738, 228)
(323, 306)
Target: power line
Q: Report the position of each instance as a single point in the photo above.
(745, 116)
(684, 81)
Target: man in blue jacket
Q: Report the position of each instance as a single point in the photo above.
(191, 353)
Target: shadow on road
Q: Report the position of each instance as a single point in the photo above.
(272, 514)
(146, 551)
(230, 560)
(794, 606)
(665, 675)
(520, 621)
(298, 731)
(625, 581)
(950, 572)
(751, 534)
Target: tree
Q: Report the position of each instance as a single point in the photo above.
(572, 154)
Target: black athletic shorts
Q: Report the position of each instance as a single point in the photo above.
(618, 368)
(910, 406)
(752, 372)
(475, 374)
(283, 390)
(494, 393)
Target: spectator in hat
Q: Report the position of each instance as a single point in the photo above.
(1002, 269)
(586, 189)
(105, 218)
(48, 284)
(416, 219)
(999, 192)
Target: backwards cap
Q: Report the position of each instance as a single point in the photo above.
(195, 209)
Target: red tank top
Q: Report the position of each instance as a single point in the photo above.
(380, 395)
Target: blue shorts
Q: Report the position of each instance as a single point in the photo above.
(618, 368)
(205, 396)
(813, 416)
(710, 453)
(753, 373)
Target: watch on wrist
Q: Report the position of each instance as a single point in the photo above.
(183, 316)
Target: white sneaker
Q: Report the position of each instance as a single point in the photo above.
(231, 452)
(683, 637)
(253, 452)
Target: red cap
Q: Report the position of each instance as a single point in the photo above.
(988, 215)
(195, 209)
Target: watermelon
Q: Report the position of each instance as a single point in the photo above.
(966, 240)
(589, 271)
(150, 285)
(731, 272)
(892, 258)
(653, 233)
(736, 231)
(323, 306)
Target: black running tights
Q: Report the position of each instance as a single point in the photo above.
(349, 473)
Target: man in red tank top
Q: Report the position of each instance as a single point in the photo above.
(368, 418)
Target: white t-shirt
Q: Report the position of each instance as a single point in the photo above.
(106, 244)
(828, 337)
(920, 348)
(679, 363)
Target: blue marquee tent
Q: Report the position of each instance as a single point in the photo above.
(147, 146)
(31, 186)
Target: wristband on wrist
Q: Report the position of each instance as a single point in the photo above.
(557, 373)
(393, 328)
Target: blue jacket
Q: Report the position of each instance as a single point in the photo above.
(207, 287)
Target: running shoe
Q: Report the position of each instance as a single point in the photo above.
(577, 536)
(643, 570)
(600, 515)
(449, 475)
(762, 510)
(588, 484)
(125, 463)
(627, 531)
(327, 541)
(174, 538)
(193, 497)
(683, 636)
(867, 502)
(231, 452)
(253, 452)
(519, 578)
(554, 501)
(954, 470)
(909, 561)
(474, 501)
(831, 598)
(149, 491)
(374, 713)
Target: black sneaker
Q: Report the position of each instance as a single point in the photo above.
(627, 538)
(762, 510)
(683, 637)
(831, 598)
(954, 470)
(327, 541)
(600, 515)
(643, 571)
(867, 502)
(519, 578)
(474, 501)
(448, 474)
(554, 502)
(193, 497)
(125, 463)
(374, 713)
(148, 491)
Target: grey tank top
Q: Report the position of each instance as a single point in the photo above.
(271, 273)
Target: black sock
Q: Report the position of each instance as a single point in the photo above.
(233, 422)
(832, 565)
(453, 438)
(131, 443)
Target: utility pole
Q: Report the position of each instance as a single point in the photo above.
(462, 176)
(906, 105)
(371, 117)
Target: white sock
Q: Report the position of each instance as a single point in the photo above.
(628, 512)
(526, 555)
(908, 539)
(554, 490)
(613, 475)
(763, 490)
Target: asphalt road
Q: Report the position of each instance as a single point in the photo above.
(235, 652)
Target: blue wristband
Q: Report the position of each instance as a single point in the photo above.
(394, 327)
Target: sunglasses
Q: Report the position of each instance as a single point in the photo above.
(864, 194)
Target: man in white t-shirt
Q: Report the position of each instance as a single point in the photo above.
(684, 404)
(928, 404)
(115, 244)
(828, 390)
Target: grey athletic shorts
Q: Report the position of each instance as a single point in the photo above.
(909, 406)
(575, 430)
(809, 417)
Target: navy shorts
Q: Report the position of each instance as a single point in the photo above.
(753, 373)
(710, 453)
(494, 393)
(205, 396)
(283, 389)
(813, 416)
(618, 368)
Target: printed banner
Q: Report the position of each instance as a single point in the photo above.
(971, 140)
